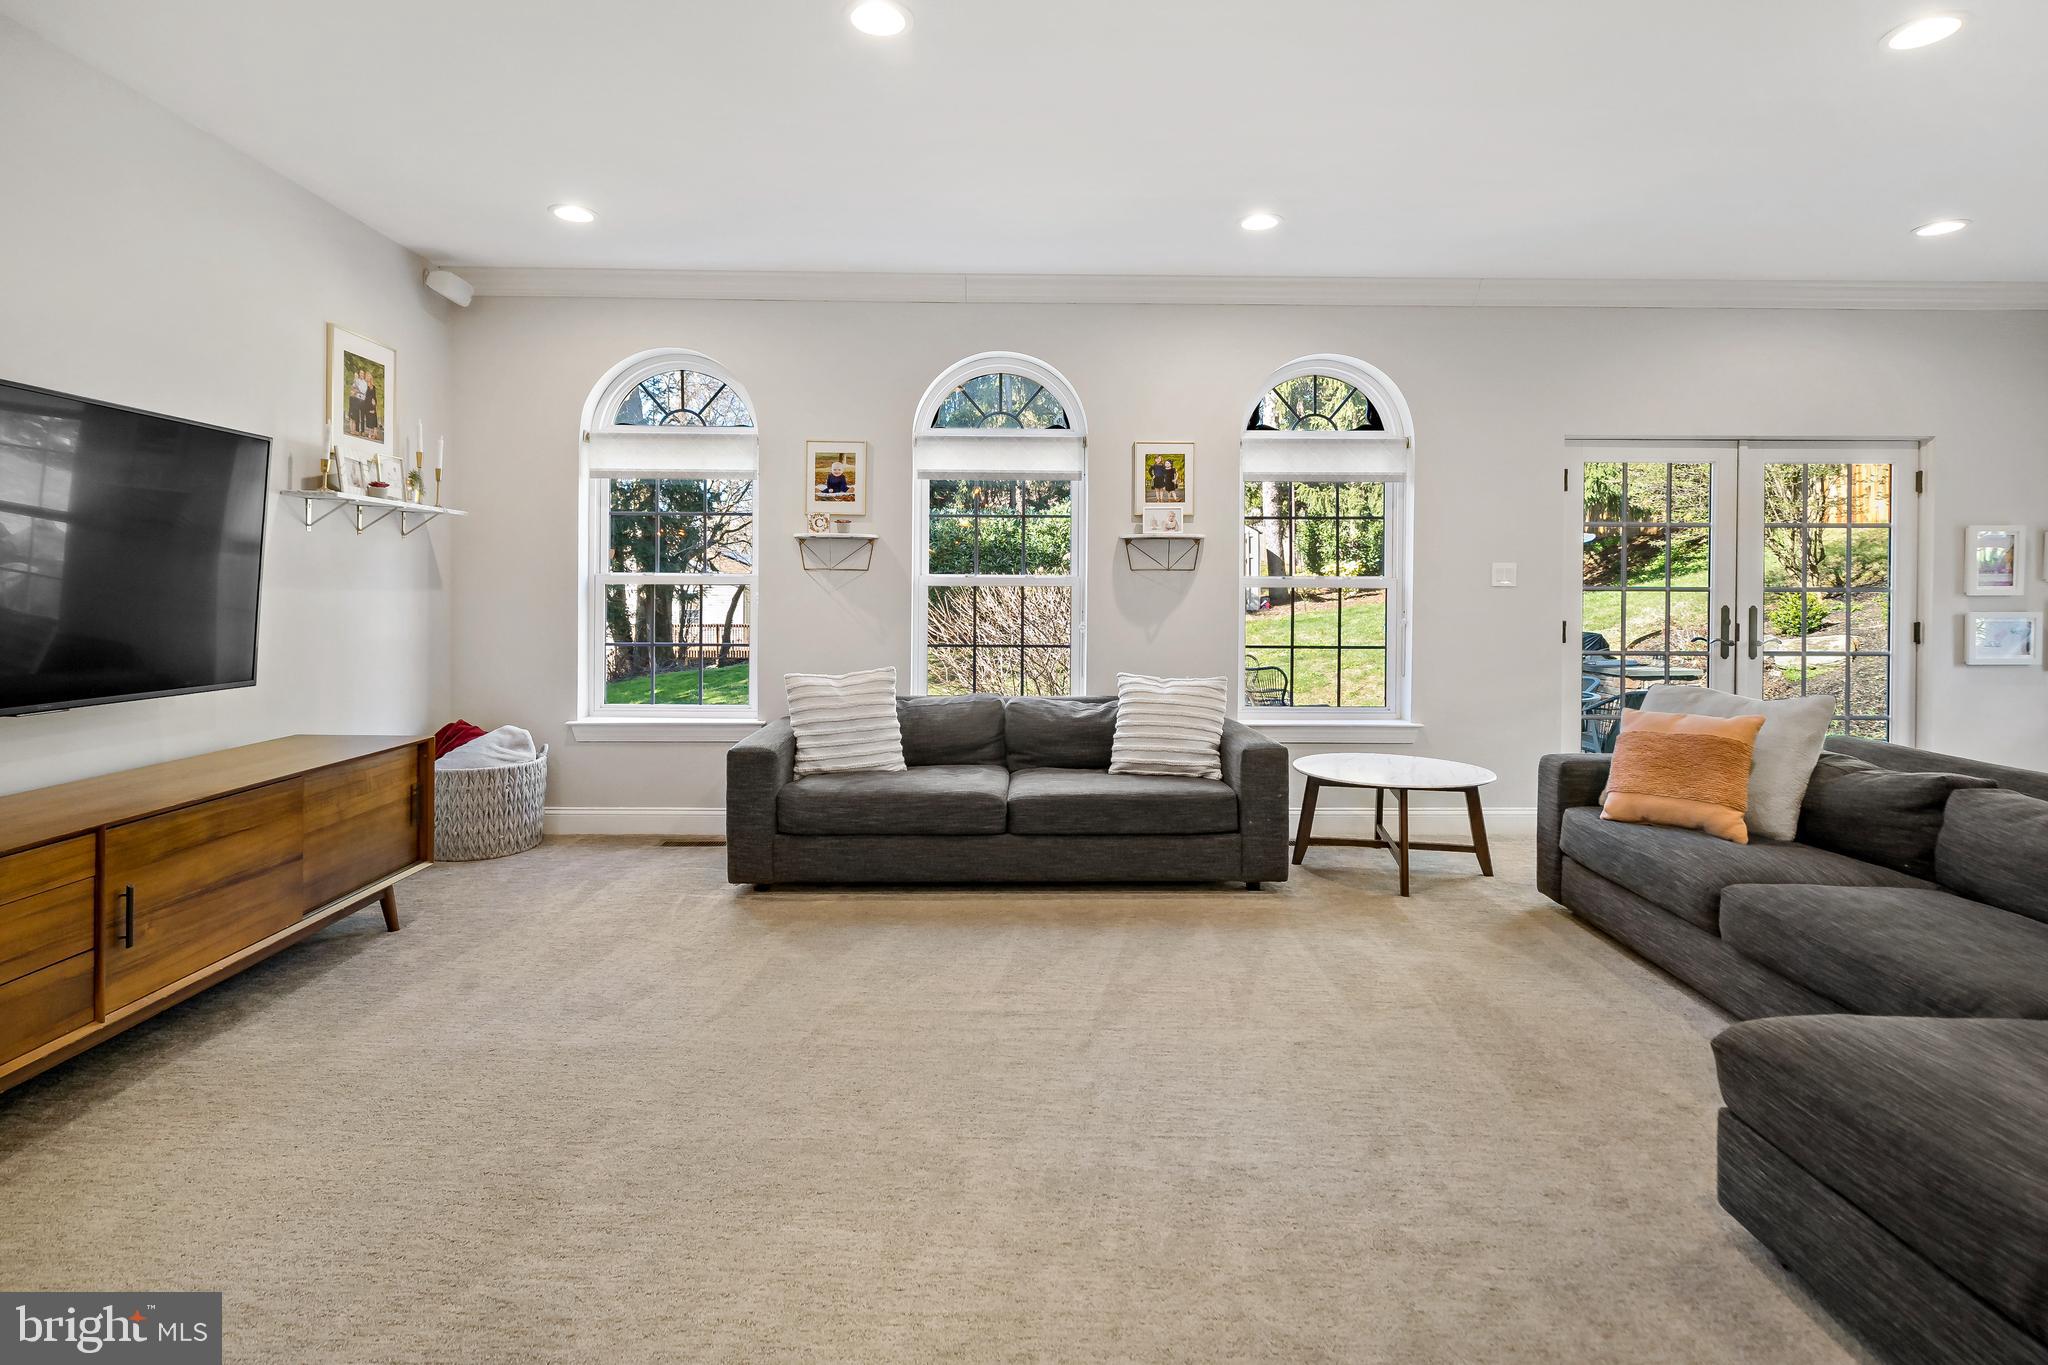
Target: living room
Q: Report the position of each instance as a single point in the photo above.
(1399, 439)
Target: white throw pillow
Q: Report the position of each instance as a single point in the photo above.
(1787, 748)
(845, 722)
(1168, 726)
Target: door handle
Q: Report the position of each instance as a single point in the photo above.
(128, 917)
(1727, 640)
(1752, 633)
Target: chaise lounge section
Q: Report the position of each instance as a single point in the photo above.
(998, 789)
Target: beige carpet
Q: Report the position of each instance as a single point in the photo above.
(594, 1105)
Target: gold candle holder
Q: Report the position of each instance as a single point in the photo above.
(437, 485)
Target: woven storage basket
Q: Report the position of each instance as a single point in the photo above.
(488, 812)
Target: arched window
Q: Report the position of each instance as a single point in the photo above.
(1326, 460)
(670, 456)
(997, 448)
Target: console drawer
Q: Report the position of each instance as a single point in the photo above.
(44, 1006)
(362, 823)
(207, 881)
(44, 929)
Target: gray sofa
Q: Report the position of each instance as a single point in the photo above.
(1005, 790)
(1895, 1163)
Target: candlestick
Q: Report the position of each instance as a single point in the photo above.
(437, 485)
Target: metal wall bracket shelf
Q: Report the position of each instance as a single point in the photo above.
(850, 553)
(1162, 554)
(368, 511)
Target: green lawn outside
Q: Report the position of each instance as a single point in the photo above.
(722, 687)
(1314, 665)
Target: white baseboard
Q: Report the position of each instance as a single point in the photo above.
(668, 821)
(1338, 822)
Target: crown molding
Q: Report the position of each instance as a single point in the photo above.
(1244, 291)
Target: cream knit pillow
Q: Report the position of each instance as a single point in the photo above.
(845, 722)
(1169, 726)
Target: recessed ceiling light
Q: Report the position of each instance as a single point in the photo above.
(1921, 32)
(1259, 222)
(1941, 227)
(572, 213)
(879, 18)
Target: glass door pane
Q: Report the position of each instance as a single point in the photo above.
(1823, 526)
(1649, 522)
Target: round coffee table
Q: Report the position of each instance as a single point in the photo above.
(1399, 774)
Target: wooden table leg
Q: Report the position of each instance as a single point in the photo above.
(1308, 817)
(1478, 831)
(390, 899)
(1401, 797)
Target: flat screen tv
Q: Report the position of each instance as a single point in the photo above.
(131, 551)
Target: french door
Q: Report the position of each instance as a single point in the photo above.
(1765, 568)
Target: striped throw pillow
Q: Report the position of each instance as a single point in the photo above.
(1169, 726)
(845, 722)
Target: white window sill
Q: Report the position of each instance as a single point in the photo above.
(663, 729)
(1363, 731)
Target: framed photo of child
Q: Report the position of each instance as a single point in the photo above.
(1163, 475)
(836, 478)
(362, 383)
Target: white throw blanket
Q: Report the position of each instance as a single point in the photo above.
(502, 747)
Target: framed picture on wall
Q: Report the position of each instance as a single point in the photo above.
(1995, 561)
(1163, 475)
(362, 386)
(836, 478)
(2002, 637)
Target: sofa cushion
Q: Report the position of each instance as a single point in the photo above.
(1994, 847)
(1862, 811)
(1091, 801)
(951, 729)
(1786, 748)
(1886, 951)
(1685, 871)
(1930, 1127)
(1059, 732)
(951, 798)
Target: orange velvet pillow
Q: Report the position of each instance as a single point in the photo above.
(1690, 771)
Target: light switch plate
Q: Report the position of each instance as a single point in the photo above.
(1503, 575)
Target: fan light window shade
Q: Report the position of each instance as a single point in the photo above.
(1324, 459)
(672, 453)
(1012, 455)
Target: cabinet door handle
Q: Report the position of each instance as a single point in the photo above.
(1752, 633)
(128, 917)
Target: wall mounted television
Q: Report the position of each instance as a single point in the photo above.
(131, 553)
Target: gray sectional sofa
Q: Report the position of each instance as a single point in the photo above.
(1002, 789)
(1896, 1163)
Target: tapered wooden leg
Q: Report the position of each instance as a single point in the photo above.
(1308, 819)
(1401, 797)
(1379, 810)
(1478, 831)
(390, 899)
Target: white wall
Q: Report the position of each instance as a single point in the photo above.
(1495, 393)
(145, 263)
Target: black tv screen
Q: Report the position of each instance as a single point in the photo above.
(131, 550)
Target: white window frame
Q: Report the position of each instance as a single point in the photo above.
(1394, 722)
(1011, 439)
(677, 453)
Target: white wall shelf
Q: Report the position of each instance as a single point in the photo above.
(1163, 554)
(411, 515)
(848, 553)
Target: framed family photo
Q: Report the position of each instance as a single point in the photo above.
(1163, 475)
(362, 381)
(836, 478)
(1995, 564)
(2003, 637)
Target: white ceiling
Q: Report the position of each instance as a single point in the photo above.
(1576, 139)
